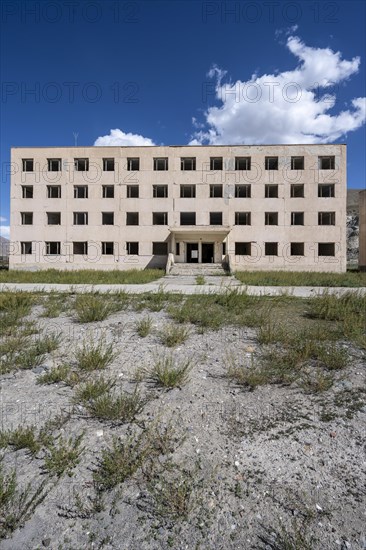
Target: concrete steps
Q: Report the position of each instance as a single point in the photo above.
(207, 270)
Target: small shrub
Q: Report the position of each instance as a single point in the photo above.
(316, 382)
(24, 438)
(55, 375)
(144, 326)
(94, 356)
(174, 499)
(63, 456)
(168, 374)
(91, 307)
(92, 389)
(120, 408)
(173, 335)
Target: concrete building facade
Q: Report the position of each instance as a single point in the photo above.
(273, 207)
(362, 228)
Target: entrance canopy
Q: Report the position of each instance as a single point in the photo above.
(195, 231)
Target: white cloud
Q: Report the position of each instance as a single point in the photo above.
(4, 231)
(287, 107)
(118, 137)
(2, 219)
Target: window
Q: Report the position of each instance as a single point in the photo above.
(297, 190)
(243, 249)
(160, 218)
(107, 218)
(326, 249)
(26, 247)
(80, 191)
(160, 249)
(161, 164)
(54, 218)
(271, 249)
(54, 191)
(80, 248)
(188, 218)
(326, 190)
(216, 163)
(177, 249)
(160, 191)
(53, 248)
(215, 218)
(108, 191)
(188, 163)
(215, 191)
(271, 218)
(297, 218)
(108, 165)
(326, 163)
(297, 249)
(132, 191)
(188, 191)
(271, 191)
(242, 218)
(54, 165)
(80, 218)
(133, 164)
(107, 248)
(28, 165)
(26, 218)
(27, 191)
(271, 163)
(326, 218)
(242, 163)
(132, 218)
(81, 165)
(243, 191)
(132, 248)
(223, 249)
(297, 163)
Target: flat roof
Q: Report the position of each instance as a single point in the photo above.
(174, 146)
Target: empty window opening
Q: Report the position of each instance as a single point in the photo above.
(160, 191)
(297, 190)
(53, 248)
(28, 165)
(26, 247)
(326, 218)
(188, 191)
(80, 218)
(326, 249)
(188, 218)
(297, 163)
(80, 191)
(80, 248)
(326, 190)
(160, 218)
(242, 218)
(132, 191)
(297, 218)
(271, 249)
(243, 249)
(327, 163)
(81, 164)
(133, 164)
(161, 164)
(27, 191)
(271, 163)
(132, 248)
(54, 165)
(54, 191)
(216, 163)
(215, 218)
(242, 163)
(160, 249)
(108, 165)
(26, 218)
(297, 249)
(132, 218)
(108, 191)
(215, 191)
(107, 248)
(177, 249)
(271, 218)
(54, 218)
(271, 191)
(242, 191)
(107, 218)
(188, 163)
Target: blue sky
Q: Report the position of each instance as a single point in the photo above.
(178, 72)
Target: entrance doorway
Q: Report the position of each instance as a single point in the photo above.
(192, 253)
(207, 253)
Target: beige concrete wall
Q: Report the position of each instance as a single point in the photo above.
(146, 233)
(362, 241)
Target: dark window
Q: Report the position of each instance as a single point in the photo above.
(28, 165)
(80, 247)
(242, 163)
(54, 165)
(297, 190)
(26, 247)
(215, 191)
(326, 249)
(54, 218)
(326, 163)
(216, 163)
(271, 249)
(108, 165)
(80, 218)
(271, 191)
(80, 191)
(160, 249)
(326, 218)
(132, 248)
(160, 191)
(242, 191)
(27, 191)
(107, 248)
(188, 218)
(243, 249)
(297, 163)
(81, 165)
(132, 218)
(223, 249)
(133, 164)
(107, 218)
(188, 163)
(297, 249)
(326, 190)
(297, 218)
(132, 191)
(177, 249)
(108, 191)
(53, 248)
(271, 163)
(26, 218)
(187, 191)
(161, 164)
(54, 191)
(271, 218)
(242, 218)
(215, 218)
(160, 218)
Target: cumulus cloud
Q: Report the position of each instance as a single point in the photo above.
(118, 137)
(2, 219)
(287, 107)
(4, 231)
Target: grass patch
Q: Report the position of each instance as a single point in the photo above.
(116, 407)
(286, 278)
(93, 307)
(21, 438)
(54, 305)
(200, 280)
(144, 326)
(94, 356)
(63, 455)
(87, 276)
(173, 335)
(169, 374)
(55, 375)
(92, 389)
(13, 307)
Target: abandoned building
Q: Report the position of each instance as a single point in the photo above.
(273, 207)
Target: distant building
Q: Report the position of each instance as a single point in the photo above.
(362, 245)
(273, 207)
